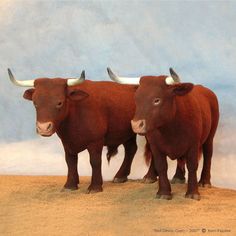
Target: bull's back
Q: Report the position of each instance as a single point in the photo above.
(116, 107)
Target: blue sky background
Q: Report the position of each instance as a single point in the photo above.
(61, 38)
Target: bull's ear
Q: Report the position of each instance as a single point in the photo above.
(76, 94)
(182, 88)
(28, 94)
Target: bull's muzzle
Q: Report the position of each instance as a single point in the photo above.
(139, 126)
(45, 128)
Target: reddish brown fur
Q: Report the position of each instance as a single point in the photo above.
(88, 116)
(181, 126)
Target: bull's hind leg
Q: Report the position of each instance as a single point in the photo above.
(205, 180)
(192, 165)
(151, 175)
(179, 177)
(207, 150)
(130, 150)
(72, 177)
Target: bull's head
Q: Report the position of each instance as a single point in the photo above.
(154, 99)
(51, 99)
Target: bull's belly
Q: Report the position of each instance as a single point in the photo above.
(78, 141)
(175, 154)
(173, 157)
(118, 138)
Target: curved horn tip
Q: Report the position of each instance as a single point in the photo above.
(11, 75)
(83, 74)
(24, 83)
(172, 71)
(109, 71)
(9, 71)
(174, 75)
(111, 74)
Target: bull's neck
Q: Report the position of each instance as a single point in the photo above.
(176, 123)
(62, 127)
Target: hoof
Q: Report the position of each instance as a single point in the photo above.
(164, 196)
(148, 180)
(120, 180)
(204, 185)
(71, 189)
(177, 181)
(195, 196)
(94, 189)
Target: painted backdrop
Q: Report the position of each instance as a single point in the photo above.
(61, 38)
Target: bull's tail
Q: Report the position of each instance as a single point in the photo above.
(111, 151)
(147, 154)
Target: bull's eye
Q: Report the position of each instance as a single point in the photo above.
(59, 104)
(156, 101)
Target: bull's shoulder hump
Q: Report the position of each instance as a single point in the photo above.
(109, 85)
(200, 90)
(106, 87)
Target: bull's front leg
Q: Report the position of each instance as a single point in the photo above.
(160, 162)
(72, 176)
(95, 153)
(161, 166)
(192, 165)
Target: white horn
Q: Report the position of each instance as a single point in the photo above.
(23, 83)
(175, 76)
(72, 82)
(170, 80)
(122, 80)
(173, 79)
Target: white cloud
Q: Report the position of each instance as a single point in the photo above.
(45, 156)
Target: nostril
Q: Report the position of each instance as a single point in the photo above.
(38, 126)
(49, 126)
(141, 124)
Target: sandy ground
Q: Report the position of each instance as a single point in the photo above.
(36, 206)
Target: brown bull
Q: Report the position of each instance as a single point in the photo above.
(179, 120)
(86, 115)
